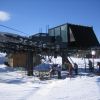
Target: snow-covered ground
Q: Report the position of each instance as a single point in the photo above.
(15, 85)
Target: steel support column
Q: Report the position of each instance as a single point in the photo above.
(30, 63)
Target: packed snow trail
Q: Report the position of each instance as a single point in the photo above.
(80, 88)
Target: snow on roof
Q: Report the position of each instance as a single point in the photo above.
(11, 34)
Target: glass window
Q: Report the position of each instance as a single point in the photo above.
(57, 31)
(72, 39)
(64, 33)
(51, 32)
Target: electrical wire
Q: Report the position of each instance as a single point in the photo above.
(13, 29)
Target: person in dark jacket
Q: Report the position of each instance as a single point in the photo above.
(76, 68)
(98, 64)
(90, 66)
(59, 71)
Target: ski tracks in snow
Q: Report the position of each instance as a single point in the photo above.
(43, 91)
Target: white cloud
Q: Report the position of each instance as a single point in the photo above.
(4, 16)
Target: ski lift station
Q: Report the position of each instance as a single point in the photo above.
(59, 41)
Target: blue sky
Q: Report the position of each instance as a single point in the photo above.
(30, 16)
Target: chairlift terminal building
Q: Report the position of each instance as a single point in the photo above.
(56, 42)
(75, 36)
